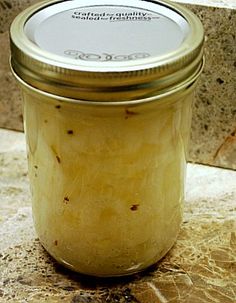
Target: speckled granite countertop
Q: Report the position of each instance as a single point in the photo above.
(201, 267)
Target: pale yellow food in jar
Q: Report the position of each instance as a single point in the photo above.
(107, 182)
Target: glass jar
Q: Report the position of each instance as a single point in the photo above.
(107, 119)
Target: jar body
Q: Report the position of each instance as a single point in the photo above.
(107, 181)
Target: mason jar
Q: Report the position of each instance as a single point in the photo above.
(107, 89)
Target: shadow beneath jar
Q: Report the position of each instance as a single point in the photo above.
(87, 281)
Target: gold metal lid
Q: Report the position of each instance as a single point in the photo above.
(107, 50)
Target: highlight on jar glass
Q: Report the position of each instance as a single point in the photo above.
(107, 89)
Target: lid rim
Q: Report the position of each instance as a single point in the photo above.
(48, 59)
(182, 86)
(48, 66)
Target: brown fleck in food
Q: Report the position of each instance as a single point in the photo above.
(70, 132)
(134, 207)
(35, 175)
(130, 113)
(45, 121)
(58, 106)
(55, 242)
(58, 159)
(66, 199)
(36, 166)
(55, 154)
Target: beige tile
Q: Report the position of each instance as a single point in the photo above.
(213, 139)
